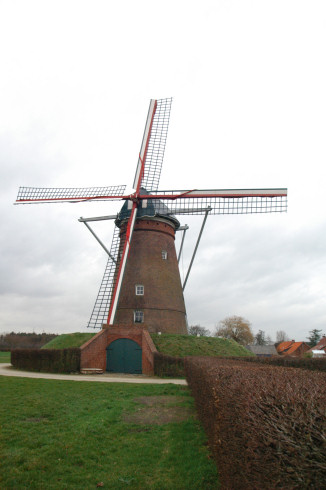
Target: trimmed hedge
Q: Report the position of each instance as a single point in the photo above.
(266, 425)
(168, 366)
(314, 364)
(165, 365)
(47, 360)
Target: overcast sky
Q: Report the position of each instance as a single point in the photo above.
(248, 84)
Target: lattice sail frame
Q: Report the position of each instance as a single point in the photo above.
(231, 201)
(35, 195)
(102, 303)
(156, 145)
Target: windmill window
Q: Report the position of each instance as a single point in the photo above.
(139, 290)
(164, 255)
(138, 316)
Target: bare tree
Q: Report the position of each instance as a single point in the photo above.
(269, 340)
(198, 330)
(236, 328)
(281, 336)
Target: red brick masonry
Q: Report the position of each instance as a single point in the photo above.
(162, 302)
(93, 352)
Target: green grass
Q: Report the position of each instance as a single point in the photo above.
(189, 345)
(4, 356)
(68, 340)
(173, 345)
(68, 435)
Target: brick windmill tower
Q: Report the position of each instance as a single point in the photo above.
(141, 284)
(151, 291)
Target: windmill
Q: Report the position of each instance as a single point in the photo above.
(141, 282)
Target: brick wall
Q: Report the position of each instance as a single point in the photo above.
(148, 349)
(93, 352)
(163, 302)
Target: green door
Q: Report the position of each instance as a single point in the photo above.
(124, 356)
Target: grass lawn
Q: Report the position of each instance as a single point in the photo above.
(67, 340)
(5, 356)
(189, 345)
(78, 435)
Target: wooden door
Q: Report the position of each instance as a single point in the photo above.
(124, 356)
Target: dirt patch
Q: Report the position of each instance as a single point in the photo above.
(158, 410)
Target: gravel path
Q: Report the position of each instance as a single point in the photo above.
(8, 370)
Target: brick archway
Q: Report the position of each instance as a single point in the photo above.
(93, 352)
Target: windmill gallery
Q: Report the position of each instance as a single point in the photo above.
(141, 290)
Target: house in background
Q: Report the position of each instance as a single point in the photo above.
(292, 348)
(262, 350)
(319, 350)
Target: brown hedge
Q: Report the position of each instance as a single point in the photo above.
(47, 360)
(314, 364)
(266, 425)
(168, 366)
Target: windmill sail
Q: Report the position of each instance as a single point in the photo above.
(153, 145)
(230, 201)
(147, 175)
(102, 304)
(35, 195)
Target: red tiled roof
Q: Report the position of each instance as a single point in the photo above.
(289, 347)
(294, 347)
(320, 346)
(284, 345)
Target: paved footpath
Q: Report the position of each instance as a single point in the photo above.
(8, 370)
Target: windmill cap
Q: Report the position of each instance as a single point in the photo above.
(154, 208)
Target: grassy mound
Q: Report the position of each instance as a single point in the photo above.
(67, 340)
(170, 344)
(189, 345)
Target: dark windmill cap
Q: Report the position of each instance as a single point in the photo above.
(154, 208)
